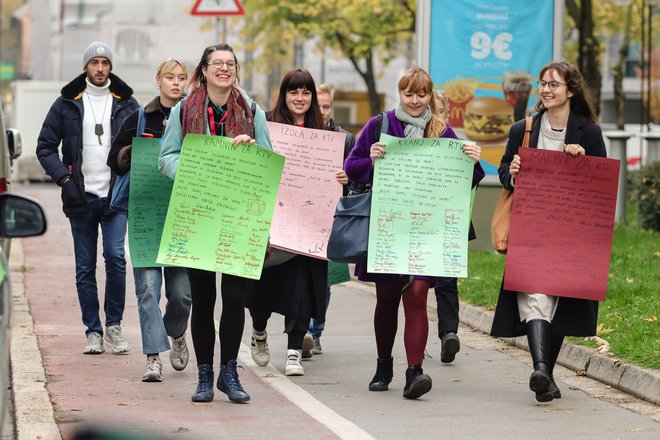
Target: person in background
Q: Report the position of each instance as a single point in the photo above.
(415, 116)
(565, 122)
(85, 119)
(215, 106)
(325, 96)
(446, 288)
(155, 327)
(295, 288)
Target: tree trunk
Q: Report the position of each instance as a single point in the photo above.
(588, 53)
(369, 79)
(619, 97)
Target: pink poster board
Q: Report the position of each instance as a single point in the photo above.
(309, 190)
(562, 224)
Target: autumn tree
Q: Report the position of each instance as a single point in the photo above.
(588, 49)
(360, 30)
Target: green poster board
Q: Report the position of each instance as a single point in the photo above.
(221, 206)
(420, 208)
(338, 273)
(149, 196)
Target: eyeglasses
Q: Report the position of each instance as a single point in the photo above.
(552, 85)
(218, 64)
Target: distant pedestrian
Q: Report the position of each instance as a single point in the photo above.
(326, 96)
(295, 288)
(155, 327)
(446, 288)
(415, 116)
(215, 106)
(565, 122)
(85, 119)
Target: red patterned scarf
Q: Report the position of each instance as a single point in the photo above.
(239, 115)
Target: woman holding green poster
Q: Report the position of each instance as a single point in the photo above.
(416, 116)
(565, 122)
(154, 326)
(215, 106)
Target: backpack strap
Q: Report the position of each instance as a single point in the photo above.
(383, 125)
(141, 122)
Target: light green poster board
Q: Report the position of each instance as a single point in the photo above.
(149, 195)
(338, 273)
(221, 206)
(420, 208)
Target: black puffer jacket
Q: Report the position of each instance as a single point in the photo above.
(154, 116)
(63, 124)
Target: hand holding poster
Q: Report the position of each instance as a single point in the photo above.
(420, 208)
(221, 206)
(309, 191)
(149, 196)
(562, 224)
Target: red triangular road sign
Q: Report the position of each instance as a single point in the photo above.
(217, 7)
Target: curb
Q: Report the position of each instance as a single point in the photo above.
(640, 382)
(34, 416)
(631, 379)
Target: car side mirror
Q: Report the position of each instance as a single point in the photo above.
(20, 217)
(14, 143)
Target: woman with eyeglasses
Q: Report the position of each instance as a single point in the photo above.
(154, 326)
(565, 122)
(215, 106)
(296, 287)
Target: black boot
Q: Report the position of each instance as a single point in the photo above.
(555, 346)
(538, 339)
(417, 383)
(229, 383)
(383, 376)
(204, 391)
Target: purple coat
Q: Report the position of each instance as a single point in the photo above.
(359, 170)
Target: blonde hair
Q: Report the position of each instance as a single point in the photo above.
(324, 88)
(417, 80)
(169, 65)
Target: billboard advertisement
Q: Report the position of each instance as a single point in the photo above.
(485, 56)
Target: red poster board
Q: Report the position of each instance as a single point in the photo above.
(562, 224)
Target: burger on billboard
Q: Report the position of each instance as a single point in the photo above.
(487, 119)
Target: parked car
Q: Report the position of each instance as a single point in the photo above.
(10, 149)
(19, 217)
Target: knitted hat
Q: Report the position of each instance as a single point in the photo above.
(96, 49)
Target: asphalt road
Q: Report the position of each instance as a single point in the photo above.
(483, 394)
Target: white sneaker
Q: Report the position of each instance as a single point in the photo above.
(259, 349)
(308, 344)
(179, 354)
(293, 365)
(94, 344)
(154, 370)
(116, 340)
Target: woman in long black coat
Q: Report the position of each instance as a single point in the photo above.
(565, 122)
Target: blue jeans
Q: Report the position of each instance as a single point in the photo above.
(316, 328)
(85, 231)
(154, 326)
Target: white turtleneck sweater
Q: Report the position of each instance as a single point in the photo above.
(97, 102)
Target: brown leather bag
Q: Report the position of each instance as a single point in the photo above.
(499, 225)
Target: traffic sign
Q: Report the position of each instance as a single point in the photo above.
(217, 7)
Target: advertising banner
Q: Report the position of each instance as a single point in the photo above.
(486, 58)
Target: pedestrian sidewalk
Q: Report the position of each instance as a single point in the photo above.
(640, 382)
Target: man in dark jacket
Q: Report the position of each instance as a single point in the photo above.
(85, 119)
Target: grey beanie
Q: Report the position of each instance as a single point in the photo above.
(96, 49)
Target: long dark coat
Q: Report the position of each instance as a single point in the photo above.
(574, 317)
